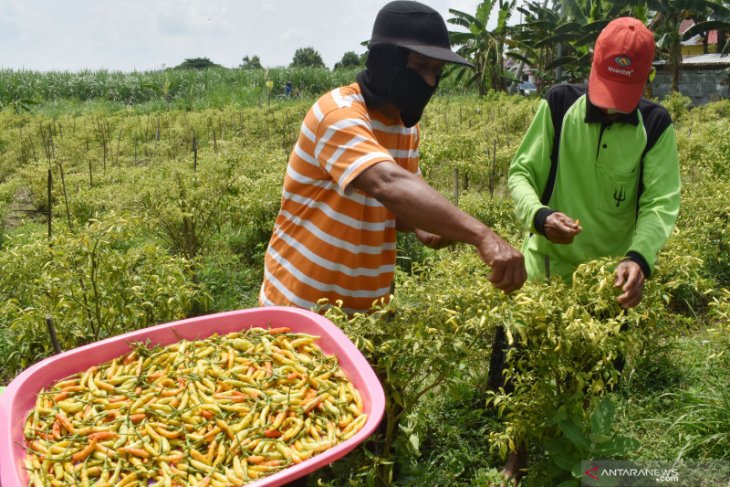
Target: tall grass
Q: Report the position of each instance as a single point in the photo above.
(170, 88)
(209, 86)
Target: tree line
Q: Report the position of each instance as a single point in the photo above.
(553, 38)
(304, 57)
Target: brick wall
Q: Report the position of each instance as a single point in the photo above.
(702, 85)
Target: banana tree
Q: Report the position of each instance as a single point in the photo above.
(574, 27)
(539, 22)
(484, 48)
(719, 20)
(667, 17)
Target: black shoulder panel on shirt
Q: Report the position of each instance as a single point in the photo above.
(656, 120)
(559, 98)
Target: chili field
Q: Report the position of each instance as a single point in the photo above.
(118, 216)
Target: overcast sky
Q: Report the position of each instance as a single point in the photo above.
(126, 35)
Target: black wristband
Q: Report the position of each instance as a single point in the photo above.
(540, 217)
(639, 259)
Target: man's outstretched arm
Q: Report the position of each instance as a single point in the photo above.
(417, 205)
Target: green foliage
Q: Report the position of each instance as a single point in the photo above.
(677, 393)
(307, 57)
(568, 339)
(410, 252)
(583, 440)
(417, 342)
(557, 42)
(666, 21)
(197, 63)
(677, 104)
(61, 93)
(483, 47)
(163, 238)
(185, 225)
(452, 426)
(19, 105)
(252, 62)
(160, 90)
(92, 284)
(702, 422)
(567, 342)
(231, 283)
(351, 60)
(720, 311)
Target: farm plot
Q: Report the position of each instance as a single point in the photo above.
(114, 220)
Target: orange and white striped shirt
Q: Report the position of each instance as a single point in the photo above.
(331, 241)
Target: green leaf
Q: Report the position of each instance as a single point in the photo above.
(576, 436)
(602, 418)
(560, 415)
(414, 441)
(599, 439)
(561, 453)
(618, 447)
(663, 41)
(555, 39)
(397, 398)
(566, 60)
(568, 27)
(577, 470)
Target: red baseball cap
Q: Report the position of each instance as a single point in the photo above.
(622, 60)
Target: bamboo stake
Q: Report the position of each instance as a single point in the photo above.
(195, 154)
(456, 186)
(50, 212)
(65, 196)
(52, 333)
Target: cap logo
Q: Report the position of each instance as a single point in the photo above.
(621, 63)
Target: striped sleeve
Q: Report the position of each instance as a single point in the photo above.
(330, 242)
(346, 146)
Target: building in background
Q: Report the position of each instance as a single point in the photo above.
(704, 75)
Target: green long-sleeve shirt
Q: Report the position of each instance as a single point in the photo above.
(619, 177)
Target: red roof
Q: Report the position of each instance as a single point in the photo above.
(687, 23)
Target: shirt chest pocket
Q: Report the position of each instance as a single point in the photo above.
(618, 171)
(616, 191)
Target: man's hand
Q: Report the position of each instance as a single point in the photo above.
(431, 239)
(560, 228)
(508, 265)
(630, 279)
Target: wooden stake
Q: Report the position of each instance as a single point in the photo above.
(52, 333)
(456, 186)
(195, 154)
(65, 195)
(50, 212)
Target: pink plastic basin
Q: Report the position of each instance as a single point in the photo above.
(19, 397)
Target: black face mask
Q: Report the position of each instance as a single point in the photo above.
(382, 63)
(410, 93)
(387, 80)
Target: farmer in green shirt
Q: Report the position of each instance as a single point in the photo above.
(597, 174)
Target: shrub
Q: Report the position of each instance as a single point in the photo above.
(93, 285)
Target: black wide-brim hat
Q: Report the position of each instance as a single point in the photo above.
(416, 27)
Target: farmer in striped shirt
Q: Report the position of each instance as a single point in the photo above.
(353, 179)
